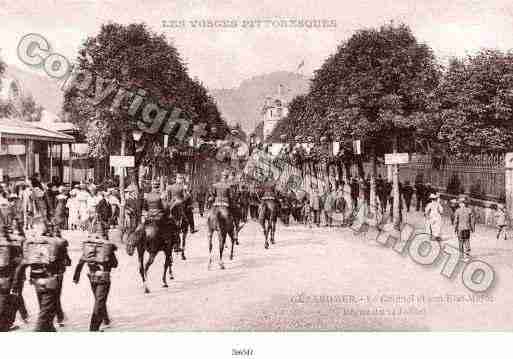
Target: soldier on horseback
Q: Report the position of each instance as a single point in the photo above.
(268, 211)
(224, 196)
(177, 195)
(154, 204)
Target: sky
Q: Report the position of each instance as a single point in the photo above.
(222, 57)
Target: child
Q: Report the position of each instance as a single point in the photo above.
(500, 221)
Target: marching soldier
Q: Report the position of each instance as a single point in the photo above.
(99, 254)
(46, 256)
(10, 257)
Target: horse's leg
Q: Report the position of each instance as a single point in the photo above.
(234, 241)
(147, 266)
(222, 241)
(262, 220)
(140, 253)
(273, 228)
(184, 237)
(266, 233)
(166, 266)
(210, 247)
(170, 249)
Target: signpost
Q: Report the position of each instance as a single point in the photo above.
(122, 162)
(394, 160)
(509, 182)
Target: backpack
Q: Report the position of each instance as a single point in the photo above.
(97, 250)
(5, 254)
(41, 250)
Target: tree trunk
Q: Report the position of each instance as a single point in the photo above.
(395, 179)
(372, 200)
(122, 185)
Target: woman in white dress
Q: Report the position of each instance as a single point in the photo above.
(73, 211)
(433, 214)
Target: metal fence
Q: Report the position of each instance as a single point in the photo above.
(481, 176)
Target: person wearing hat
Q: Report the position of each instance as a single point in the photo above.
(177, 194)
(73, 206)
(45, 274)
(10, 256)
(464, 224)
(433, 214)
(501, 221)
(99, 275)
(83, 199)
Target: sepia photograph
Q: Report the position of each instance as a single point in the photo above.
(259, 167)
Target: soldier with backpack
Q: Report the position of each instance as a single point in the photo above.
(46, 256)
(99, 255)
(10, 256)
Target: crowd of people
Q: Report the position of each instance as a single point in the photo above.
(96, 208)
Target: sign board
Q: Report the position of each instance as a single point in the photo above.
(509, 160)
(122, 161)
(357, 147)
(396, 158)
(16, 150)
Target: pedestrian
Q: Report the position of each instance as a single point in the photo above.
(315, 205)
(420, 191)
(329, 207)
(73, 206)
(407, 192)
(61, 269)
(10, 256)
(83, 210)
(99, 254)
(59, 217)
(433, 214)
(45, 255)
(348, 203)
(355, 192)
(453, 206)
(464, 224)
(201, 198)
(501, 222)
(28, 206)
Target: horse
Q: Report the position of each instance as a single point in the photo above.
(267, 217)
(183, 228)
(153, 237)
(221, 221)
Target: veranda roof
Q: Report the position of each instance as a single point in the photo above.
(23, 130)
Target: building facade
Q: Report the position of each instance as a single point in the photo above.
(274, 109)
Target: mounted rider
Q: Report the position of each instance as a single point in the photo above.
(154, 205)
(177, 194)
(224, 197)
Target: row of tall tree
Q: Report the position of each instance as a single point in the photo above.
(384, 87)
(133, 57)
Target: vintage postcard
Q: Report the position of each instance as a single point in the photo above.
(245, 166)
